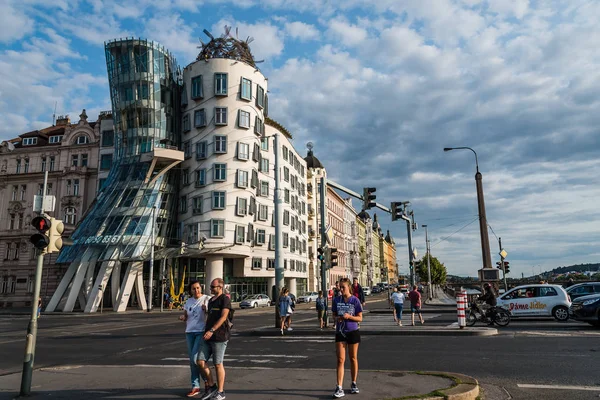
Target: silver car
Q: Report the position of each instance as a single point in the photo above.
(256, 300)
(308, 297)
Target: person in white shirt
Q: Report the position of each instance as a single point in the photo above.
(397, 300)
(194, 315)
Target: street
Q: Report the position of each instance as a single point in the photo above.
(512, 364)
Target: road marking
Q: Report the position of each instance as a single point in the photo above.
(241, 355)
(558, 387)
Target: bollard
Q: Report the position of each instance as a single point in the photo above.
(461, 306)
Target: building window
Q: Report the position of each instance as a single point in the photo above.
(29, 141)
(218, 200)
(263, 212)
(220, 84)
(200, 118)
(286, 217)
(70, 215)
(256, 263)
(84, 160)
(108, 138)
(43, 164)
(12, 221)
(197, 92)
(285, 153)
(187, 150)
(242, 178)
(200, 177)
(56, 139)
(105, 162)
(264, 165)
(286, 174)
(197, 204)
(185, 177)
(26, 165)
(51, 164)
(183, 204)
(240, 234)
(217, 228)
(270, 263)
(254, 180)
(220, 115)
(286, 195)
(243, 152)
(264, 188)
(23, 192)
(259, 127)
(292, 262)
(82, 139)
(243, 119)
(75, 187)
(142, 91)
(74, 160)
(192, 233)
(260, 236)
(260, 96)
(252, 208)
(264, 144)
(286, 239)
(201, 148)
(48, 188)
(14, 192)
(219, 172)
(242, 206)
(18, 166)
(220, 144)
(246, 90)
(186, 123)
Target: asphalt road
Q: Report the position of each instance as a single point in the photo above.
(529, 353)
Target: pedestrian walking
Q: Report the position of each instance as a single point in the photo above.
(347, 311)
(285, 306)
(358, 292)
(194, 316)
(216, 336)
(288, 320)
(321, 306)
(397, 301)
(415, 305)
(39, 309)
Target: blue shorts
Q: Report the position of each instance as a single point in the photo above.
(415, 309)
(214, 349)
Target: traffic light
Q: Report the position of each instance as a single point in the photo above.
(55, 235)
(418, 268)
(40, 240)
(369, 198)
(332, 257)
(397, 211)
(498, 265)
(506, 267)
(320, 255)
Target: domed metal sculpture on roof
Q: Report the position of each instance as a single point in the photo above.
(227, 46)
(311, 160)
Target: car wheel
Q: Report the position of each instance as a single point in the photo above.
(268, 304)
(560, 313)
(255, 305)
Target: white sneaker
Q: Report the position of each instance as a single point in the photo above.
(289, 329)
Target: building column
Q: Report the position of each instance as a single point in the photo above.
(291, 285)
(213, 269)
(270, 284)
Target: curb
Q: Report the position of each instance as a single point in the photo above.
(465, 388)
(274, 332)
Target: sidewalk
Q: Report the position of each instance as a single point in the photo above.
(441, 299)
(163, 382)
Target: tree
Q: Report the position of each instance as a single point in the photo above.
(438, 270)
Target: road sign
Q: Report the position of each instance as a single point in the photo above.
(503, 253)
(50, 203)
(415, 254)
(329, 234)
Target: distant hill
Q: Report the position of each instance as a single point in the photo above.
(576, 268)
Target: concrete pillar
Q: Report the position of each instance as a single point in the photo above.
(270, 284)
(214, 269)
(291, 285)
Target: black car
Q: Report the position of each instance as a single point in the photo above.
(376, 289)
(583, 289)
(586, 309)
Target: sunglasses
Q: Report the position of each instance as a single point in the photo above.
(214, 287)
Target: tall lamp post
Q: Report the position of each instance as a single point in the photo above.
(485, 241)
(429, 283)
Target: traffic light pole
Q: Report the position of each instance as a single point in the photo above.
(502, 264)
(322, 190)
(31, 337)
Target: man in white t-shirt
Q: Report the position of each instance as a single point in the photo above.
(397, 299)
(194, 315)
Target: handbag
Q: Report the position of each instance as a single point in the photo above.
(289, 309)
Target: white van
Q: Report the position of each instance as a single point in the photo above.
(541, 300)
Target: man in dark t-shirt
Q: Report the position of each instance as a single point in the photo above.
(415, 304)
(217, 334)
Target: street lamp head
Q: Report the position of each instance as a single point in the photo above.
(448, 148)
(424, 226)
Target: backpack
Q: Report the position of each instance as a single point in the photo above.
(230, 318)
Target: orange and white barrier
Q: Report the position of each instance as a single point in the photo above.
(461, 307)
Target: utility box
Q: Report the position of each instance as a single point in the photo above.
(489, 274)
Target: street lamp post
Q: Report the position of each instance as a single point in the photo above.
(429, 283)
(485, 241)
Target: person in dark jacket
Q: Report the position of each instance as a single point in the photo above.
(357, 291)
(489, 299)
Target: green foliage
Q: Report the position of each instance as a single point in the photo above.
(438, 270)
(576, 268)
(596, 276)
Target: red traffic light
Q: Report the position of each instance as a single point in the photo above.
(42, 224)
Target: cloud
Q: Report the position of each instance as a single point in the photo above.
(172, 32)
(268, 39)
(301, 31)
(15, 25)
(347, 33)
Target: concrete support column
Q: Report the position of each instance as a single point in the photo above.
(291, 285)
(214, 269)
(270, 284)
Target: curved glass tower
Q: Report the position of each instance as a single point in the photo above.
(137, 201)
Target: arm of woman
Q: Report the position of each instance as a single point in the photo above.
(356, 318)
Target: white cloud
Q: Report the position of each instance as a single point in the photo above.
(172, 32)
(347, 33)
(268, 38)
(15, 25)
(301, 31)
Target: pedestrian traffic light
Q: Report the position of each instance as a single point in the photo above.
(417, 267)
(369, 198)
(499, 265)
(331, 257)
(506, 267)
(397, 210)
(40, 239)
(320, 256)
(55, 240)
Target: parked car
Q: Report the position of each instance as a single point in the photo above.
(542, 300)
(376, 289)
(256, 300)
(367, 291)
(583, 289)
(587, 309)
(308, 297)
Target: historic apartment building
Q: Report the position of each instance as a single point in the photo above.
(70, 154)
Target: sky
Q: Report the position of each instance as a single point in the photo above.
(380, 87)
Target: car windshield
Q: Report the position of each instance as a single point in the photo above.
(255, 296)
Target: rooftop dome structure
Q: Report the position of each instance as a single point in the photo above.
(364, 215)
(312, 161)
(227, 46)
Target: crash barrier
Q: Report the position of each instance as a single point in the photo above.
(461, 307)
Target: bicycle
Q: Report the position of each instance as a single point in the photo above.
(497, 315)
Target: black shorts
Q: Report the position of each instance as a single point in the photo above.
(348, 337)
